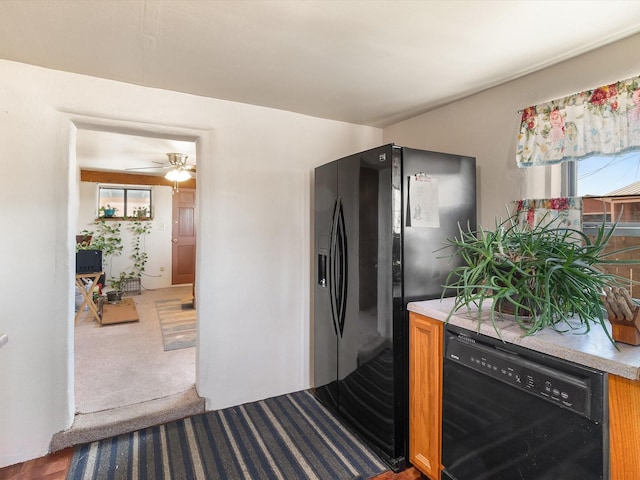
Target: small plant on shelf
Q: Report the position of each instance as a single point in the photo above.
(141, 212)
(107, 211)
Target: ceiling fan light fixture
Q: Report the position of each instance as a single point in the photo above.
(177, 159)
(177, 175)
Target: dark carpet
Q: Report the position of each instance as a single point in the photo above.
(286, 437)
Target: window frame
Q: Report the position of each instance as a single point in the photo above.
(125, 188)
(569, 182)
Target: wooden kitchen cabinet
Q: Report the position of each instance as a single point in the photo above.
(425, 394)
(425, 386)
(624, 428)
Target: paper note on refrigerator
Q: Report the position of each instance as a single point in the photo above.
(424, 209)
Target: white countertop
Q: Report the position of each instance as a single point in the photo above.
(592, 349)
(4, 338)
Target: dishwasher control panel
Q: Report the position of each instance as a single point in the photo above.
(565, 389)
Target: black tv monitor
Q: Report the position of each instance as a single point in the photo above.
(88, 261)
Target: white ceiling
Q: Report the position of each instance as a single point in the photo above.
(371, 62)
(113, 151)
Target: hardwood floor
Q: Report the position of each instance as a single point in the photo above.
(56, 465)
(51, 467)
(408, 474)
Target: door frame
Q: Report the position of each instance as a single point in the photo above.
(70, 123)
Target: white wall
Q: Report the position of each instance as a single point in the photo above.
(254, 189)
(157, 243)
(486, 125)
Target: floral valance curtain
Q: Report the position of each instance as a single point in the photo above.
(605, 120)
(562, 212)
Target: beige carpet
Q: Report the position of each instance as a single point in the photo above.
(125, 363)
(90, 427)
(124, 380)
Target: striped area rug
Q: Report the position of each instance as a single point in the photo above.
(287, 437)
(177, 323)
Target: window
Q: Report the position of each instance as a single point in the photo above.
(605, 175)
(128, 201)
(610, 191)
(610, 187)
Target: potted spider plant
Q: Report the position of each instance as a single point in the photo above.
(541, 276)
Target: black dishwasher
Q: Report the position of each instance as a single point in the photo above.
(511, 413)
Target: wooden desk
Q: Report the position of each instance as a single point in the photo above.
(87, 294)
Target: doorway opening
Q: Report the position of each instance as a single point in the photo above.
(123, 372)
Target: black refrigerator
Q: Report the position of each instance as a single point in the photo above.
(380, 218)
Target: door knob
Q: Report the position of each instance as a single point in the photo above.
(175, 240)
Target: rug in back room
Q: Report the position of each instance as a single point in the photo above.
(177, 323)
(287, 437)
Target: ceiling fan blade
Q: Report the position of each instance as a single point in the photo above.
(167, 166)
(149, 168)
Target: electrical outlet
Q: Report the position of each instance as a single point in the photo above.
(162, 269)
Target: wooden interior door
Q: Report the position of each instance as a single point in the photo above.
(183, 237)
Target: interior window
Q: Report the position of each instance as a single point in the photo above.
(127, 201)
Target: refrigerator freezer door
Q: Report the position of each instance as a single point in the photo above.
(325, 340)
(365, 349)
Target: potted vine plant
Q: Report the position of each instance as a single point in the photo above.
(105, 237)
(139, 228)
(117, 284)
(541, 275)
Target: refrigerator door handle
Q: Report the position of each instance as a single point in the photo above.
(342, 248)
(338, 268)
(331, 277)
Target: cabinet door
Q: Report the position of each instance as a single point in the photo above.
(425, 394)
(624, 428)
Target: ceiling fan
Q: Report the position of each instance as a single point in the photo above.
(178, 169)
(177, 162)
